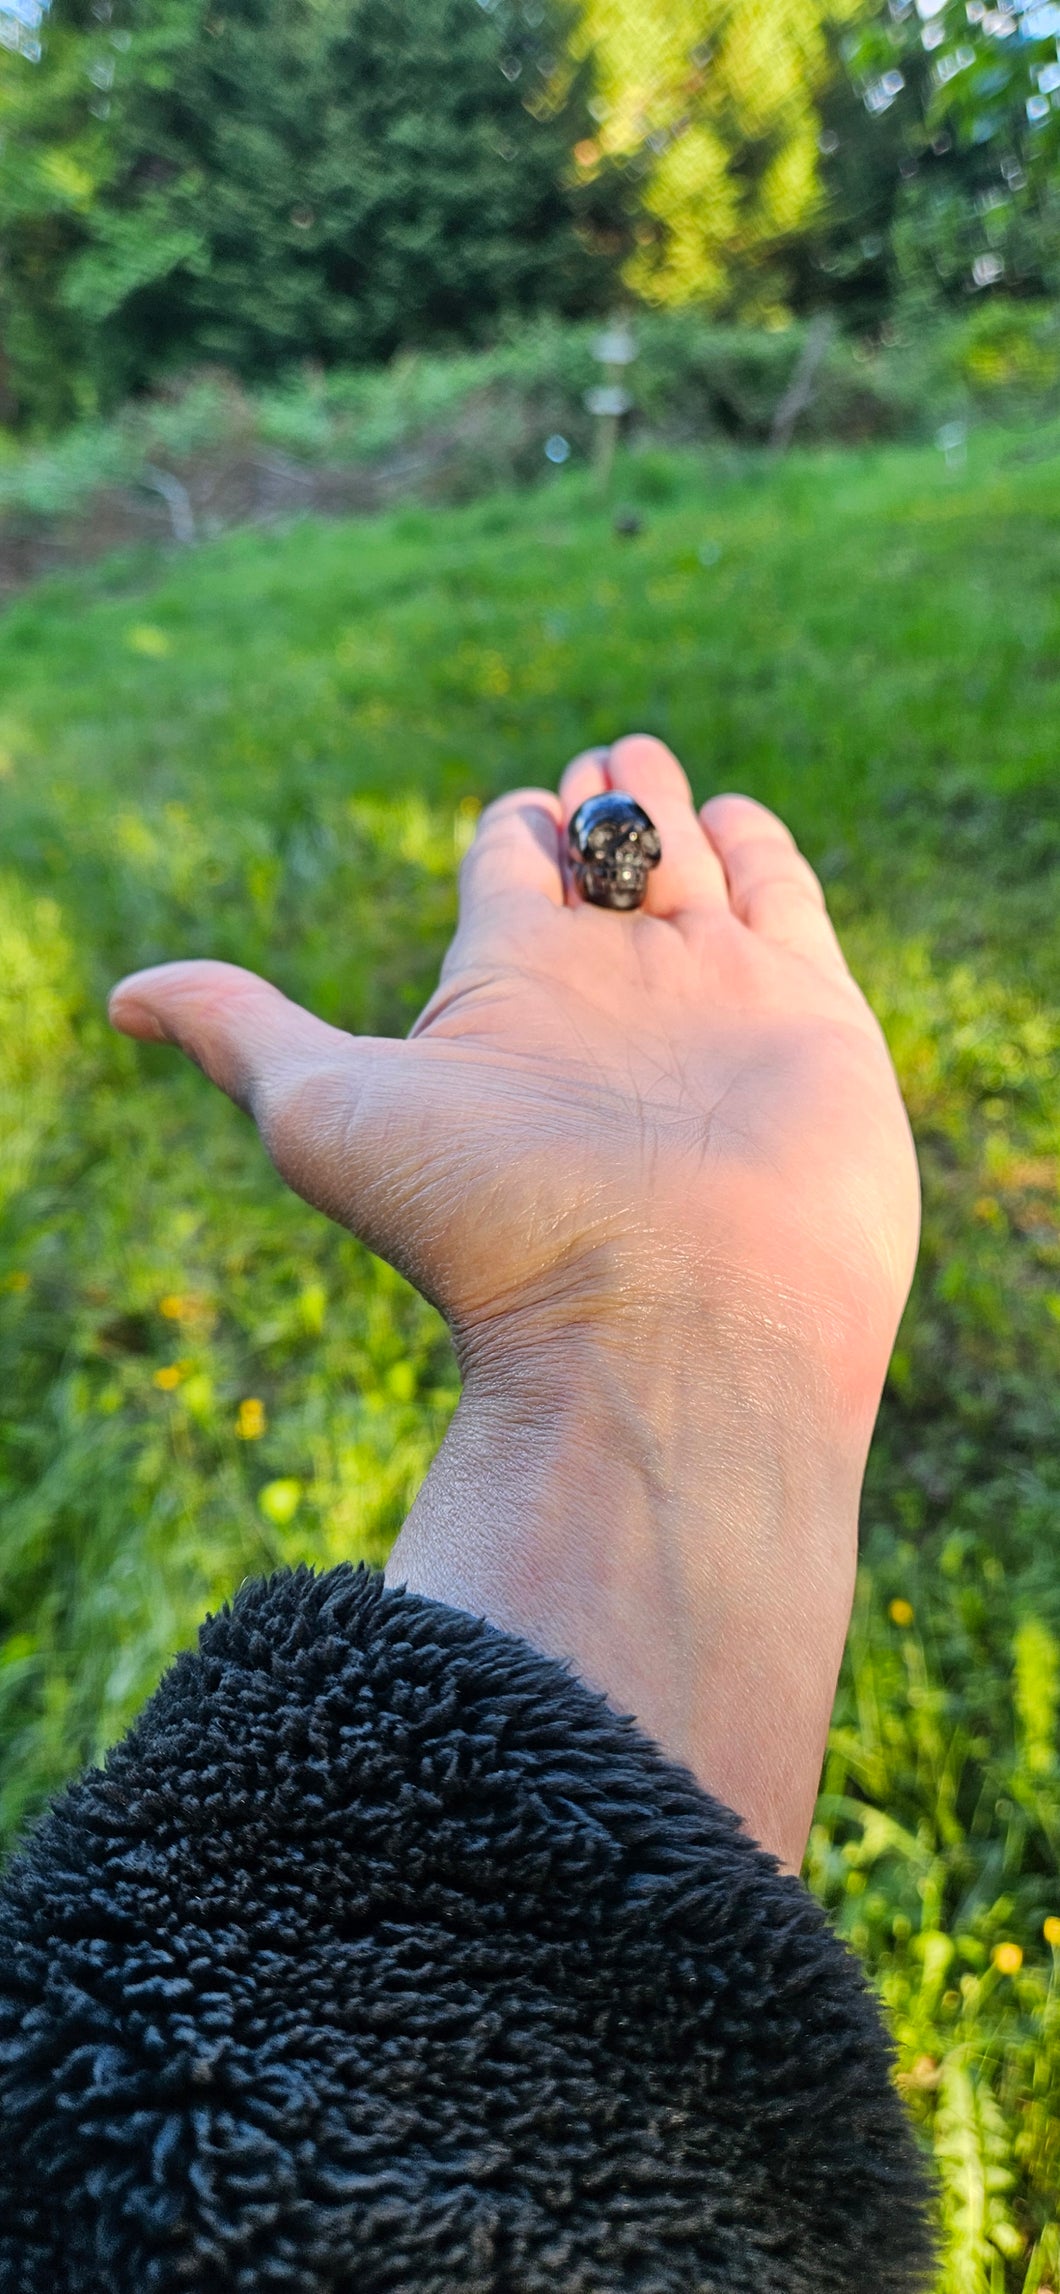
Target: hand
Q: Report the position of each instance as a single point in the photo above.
(599, 1119)
(656, 1173)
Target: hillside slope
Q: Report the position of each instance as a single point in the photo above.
(272, 750)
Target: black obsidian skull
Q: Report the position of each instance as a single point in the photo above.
(613, 846)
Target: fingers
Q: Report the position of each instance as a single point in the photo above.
(243, 1033)
(689, 874)
(586, 776)
(515, 855)
(772, 889)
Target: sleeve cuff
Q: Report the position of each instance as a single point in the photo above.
(384, 1953)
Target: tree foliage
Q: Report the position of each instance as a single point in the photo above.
(794, 152)
(256, 184)
(256, 181)
(715, 103)
(54, 158)
(966, 97)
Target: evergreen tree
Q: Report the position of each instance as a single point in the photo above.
(275, 180)
(53, 158)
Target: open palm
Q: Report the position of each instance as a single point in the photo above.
(600, 1119)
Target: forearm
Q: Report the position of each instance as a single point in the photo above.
(677, 1517)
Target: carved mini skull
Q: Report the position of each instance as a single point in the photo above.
(613, 846)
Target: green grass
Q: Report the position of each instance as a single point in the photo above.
(272, 751)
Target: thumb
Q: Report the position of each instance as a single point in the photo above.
(307, 1085)
(244, 1034)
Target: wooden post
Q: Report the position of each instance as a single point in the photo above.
(609, 401)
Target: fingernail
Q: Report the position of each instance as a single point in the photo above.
(130, 1017)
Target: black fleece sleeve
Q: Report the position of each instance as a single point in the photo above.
(383, 1956)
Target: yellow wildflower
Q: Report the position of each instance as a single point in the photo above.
(145, 638)
(173, 1307)
(1051, 1932)
(901, 1612)
(251, 1420)
(279, 1501)
(169, 1378)
(18, 1280)
(1008, 1959)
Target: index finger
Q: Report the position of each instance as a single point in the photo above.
(514, 857)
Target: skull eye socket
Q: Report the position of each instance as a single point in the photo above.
(599, 839)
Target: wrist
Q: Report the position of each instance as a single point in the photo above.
(673, 1509)
(656, 1301)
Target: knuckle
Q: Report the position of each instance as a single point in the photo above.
(808, 880)
(510, 804)
(770, 865)
(731, 812)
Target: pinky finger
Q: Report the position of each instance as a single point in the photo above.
(772, 888)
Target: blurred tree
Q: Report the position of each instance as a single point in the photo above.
(794, 152)
(259, 181)
(715, 105)
(844, 257)
(53, 158)
(965, 95)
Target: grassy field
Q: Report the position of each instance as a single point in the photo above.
(273, 750)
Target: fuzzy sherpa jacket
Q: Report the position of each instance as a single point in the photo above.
(382, 1957)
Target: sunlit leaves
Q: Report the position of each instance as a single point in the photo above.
(716, 107)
